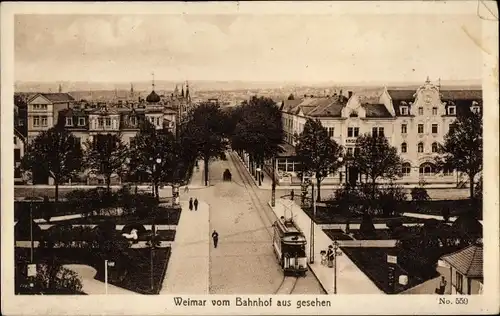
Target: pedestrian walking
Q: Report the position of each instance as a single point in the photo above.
(215, 237)
(442, 286)
(196, 204)
(292, 195)
(190, 204)
(262, 176)
(329, 255)
(186, 189)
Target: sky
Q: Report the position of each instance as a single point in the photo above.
(290, 48)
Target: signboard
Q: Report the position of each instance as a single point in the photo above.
(111, 263)
(31, 270)
(392, 259)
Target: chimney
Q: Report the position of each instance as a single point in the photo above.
(350, 94)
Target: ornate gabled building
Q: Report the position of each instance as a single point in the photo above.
(414, 121)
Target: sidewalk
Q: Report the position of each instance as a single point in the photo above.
(188, 268)
(92, 286)
(350, 279)
(435, 191)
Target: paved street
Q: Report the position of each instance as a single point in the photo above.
(244, 261)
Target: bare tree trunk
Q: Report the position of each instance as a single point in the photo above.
(318, 182)
(108, 182)
(205, 161)
(471, 186)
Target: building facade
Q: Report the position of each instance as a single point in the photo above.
(87, 119)
(413, 121)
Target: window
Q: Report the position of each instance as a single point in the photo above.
(475, 109)
(331, 131)
(44, 121)
(108, 121)
(69, 121)
(434, 111)
(17, 155)
(43, 106)
(21, 122)
(81, 121)
(434, 147)
(15, 140)
(404, 128)
(448, 171)
(101, 122)
(349, 151)
(459, 279)
(158, 121)
(420, 111)
(35, 106)
(356, 151)
(420, 147)
(352, 131)
(406, 169)
(420, 128)
(451, 110)
(426, 169)
(132, 141)
(404, 110)
(378, 131)
(404, 147)
(78, 141)
(36, 121)
(434, 128)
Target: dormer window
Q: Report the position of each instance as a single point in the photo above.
(404, 110)
(475, 109)
(81, 121)
(69, 121)
(451, 110)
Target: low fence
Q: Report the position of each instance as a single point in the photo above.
(117, 227)
(368, 243)
(357, 226)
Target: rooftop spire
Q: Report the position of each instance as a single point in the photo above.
(153, 74)
(428, 80)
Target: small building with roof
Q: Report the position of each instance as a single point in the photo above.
(465, 270)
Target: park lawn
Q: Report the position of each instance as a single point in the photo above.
(135, 270)
(325, 215)
(380, 234)
(164, 217)
(337, 234)
(373, 262)
(435, 207)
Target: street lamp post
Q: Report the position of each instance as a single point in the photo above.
(336, 253)
(311, 246)
(106, 264)
(31, 229)
(273, 186)
(259, 175)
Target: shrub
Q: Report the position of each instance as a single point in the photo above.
(53, 279)
(419, 194)
(394, 223)
(390, 199)
(367, 229)
(22, 229)
(445, 212)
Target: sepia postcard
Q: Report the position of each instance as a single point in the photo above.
(307, 158)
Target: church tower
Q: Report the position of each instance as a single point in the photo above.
(60, 88)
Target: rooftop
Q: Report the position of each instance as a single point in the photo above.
(468, 261)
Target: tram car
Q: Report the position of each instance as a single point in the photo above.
(290, 247)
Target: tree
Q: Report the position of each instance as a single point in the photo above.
(56, 152)
(317, 153)
(258, 130)
(377, 159)
(463, 147)
(106, 154)
(291, 97)
(204, 134)
(52, 278)
(156, 154)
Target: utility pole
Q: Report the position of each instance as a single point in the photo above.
(311, 255)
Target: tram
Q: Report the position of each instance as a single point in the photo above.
(290, 246)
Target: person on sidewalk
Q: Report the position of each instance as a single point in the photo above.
(262, 176)
(215, 237)
(442, 285)
(186, 189)
(292, 194)
(196, 204)
(190, 204)
(329, 255)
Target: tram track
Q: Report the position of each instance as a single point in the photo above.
(288, 283)
(263, 210)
